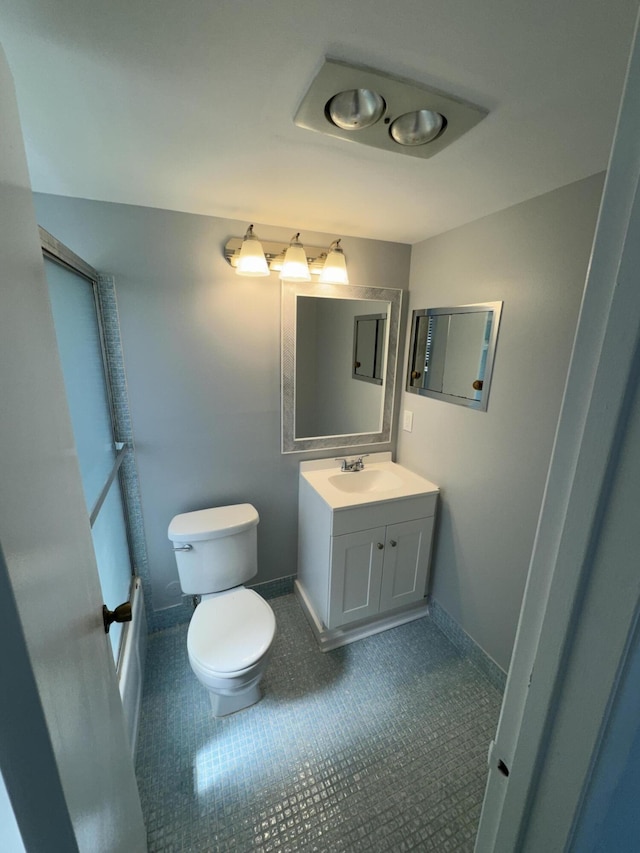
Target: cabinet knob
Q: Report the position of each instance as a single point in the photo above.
(380, 546)
(393, 543)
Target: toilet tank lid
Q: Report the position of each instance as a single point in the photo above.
(212, 523)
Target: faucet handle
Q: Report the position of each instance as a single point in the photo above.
(359, 464)
(353, 464)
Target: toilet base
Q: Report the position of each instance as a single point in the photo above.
(223, 705)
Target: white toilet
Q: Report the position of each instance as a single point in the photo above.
(232, 628)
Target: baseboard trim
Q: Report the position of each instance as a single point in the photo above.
(275, 588)
(333, 638)
(180, 614)
(459, 638)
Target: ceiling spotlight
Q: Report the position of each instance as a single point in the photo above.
(417, 128)
(355, 109)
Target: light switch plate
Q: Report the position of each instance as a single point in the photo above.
(407, 421)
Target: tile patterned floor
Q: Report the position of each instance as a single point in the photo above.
(378, 746)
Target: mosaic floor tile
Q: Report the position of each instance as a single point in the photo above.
(377, 746)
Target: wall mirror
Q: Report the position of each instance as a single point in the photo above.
(452, 352)
(323, 404)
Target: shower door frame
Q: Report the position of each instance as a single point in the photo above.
(58, 253)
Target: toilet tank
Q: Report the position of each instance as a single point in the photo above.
(223, 550)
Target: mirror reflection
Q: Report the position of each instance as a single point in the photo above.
(452, 351)
(328, 401)
(339, 351)
(369, 347)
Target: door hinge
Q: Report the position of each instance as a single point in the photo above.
(494, 761)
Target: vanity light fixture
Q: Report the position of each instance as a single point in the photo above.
(379, 109)
(295, 266)
(334, 270)
(251, 260)
(251, 257)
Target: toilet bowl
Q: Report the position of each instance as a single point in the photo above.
(232, 628)
(228, 642)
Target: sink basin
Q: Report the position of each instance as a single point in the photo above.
(369, 480)
(380, 480)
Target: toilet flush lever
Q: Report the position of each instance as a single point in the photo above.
(122, 613)
(184, 548)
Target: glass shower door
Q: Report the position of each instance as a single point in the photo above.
(80, 347)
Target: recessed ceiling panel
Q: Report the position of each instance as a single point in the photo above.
(400, 104)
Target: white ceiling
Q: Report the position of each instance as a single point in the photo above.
(188, 104)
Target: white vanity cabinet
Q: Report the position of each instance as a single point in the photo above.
(377, 570)
(363, 566)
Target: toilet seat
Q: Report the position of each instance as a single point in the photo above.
(229, 633)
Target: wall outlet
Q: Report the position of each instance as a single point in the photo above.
(407, 420)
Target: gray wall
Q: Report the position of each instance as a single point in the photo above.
(202, 353)
(492, 465)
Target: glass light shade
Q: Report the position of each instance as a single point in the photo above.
(295, 266)
(334, 270)
(251, 261)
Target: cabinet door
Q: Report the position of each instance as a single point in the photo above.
(356, 572)
(406, 563)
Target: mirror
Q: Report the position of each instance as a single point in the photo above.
(452, 351)
(326, 330)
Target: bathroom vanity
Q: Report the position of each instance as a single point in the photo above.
(364, 547)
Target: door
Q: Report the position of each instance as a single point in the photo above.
(64, 697)
(582, 600)
(406, 563)
(356, 573)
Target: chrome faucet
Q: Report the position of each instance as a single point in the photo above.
(355, 464)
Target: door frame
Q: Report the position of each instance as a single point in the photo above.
(58, 253)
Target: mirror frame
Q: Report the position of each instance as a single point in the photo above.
(290, 292)
(481, 404)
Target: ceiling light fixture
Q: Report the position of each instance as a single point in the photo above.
(251, 257)
(364, 105)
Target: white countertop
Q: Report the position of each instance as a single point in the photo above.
(383, 480)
